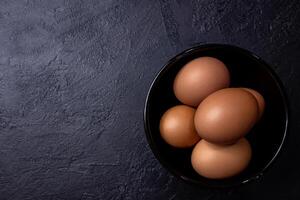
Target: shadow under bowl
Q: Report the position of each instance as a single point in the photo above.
(246, 70)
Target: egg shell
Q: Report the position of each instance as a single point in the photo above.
(177, 126)
(226, 115)
(199, 78)
(221, 161)
(260, 101)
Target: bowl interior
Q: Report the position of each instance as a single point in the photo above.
(246, 70)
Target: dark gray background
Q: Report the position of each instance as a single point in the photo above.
(73, 81)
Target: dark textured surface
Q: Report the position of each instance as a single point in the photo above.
(73, 80)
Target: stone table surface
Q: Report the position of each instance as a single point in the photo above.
(73, 80)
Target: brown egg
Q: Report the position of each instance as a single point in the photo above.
(199, 78)
(226, 115)
(260, 101)
(177, 126)
(220, 161)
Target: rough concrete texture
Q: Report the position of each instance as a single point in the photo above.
(73, 80)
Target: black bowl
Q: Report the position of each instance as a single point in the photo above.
(246, 70)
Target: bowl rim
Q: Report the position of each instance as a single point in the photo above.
(165, 67)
